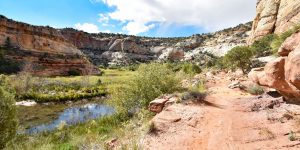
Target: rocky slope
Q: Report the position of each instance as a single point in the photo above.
(44, 48)
(274, 16)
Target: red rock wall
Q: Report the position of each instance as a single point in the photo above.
(30, 44)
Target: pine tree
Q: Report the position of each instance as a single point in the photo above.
(7, 43)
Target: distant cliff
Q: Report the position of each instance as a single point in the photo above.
(60, 51)
(43, 48)
(274, 16)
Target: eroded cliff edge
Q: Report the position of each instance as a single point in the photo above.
(44, 49)
(274, 16)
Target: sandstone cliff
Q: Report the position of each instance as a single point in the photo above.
(274, 16)
(44, 48)
(59, 51)
(115, 49)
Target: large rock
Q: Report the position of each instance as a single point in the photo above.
(283, 73)
(172, 53)
(274, 16)
(289, 45)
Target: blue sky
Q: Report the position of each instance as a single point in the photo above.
(160, 18)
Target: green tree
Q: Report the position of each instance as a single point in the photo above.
(8, 121)
(239, 57)
(7, 43)
(1, 54)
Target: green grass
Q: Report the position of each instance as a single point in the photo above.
(149, 81)
(72, 88)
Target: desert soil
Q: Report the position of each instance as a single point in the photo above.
(223, 122)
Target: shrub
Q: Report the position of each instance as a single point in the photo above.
(8, 66)
(8, 121)
(239, 57)
(74, 73)
(174, 66)
(7, 43)
(21, 83)
(279, 39)
(262, 47)
(151, 81)
(191, 69)
(255, 90)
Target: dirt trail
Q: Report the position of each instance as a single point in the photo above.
(221, 124)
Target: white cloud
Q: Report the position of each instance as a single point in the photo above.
(87, 27)
(135, 28)
(104, 18)
(106, 31)
(210, 14)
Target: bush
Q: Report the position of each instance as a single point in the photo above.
(188, 68)
(262, 47)
(8, 121)
(191, 69)
(255, 90)
(74, 73)
(239, 57)
(279, 39)
(8, 66)
(151, 81)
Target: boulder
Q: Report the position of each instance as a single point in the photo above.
(289, 45)
(172, 53)
(282, 73)
(157, 105)
(160, 103)
(26, 103)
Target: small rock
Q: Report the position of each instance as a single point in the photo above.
(26, 103)
(157, 105)
(193, 123)
(171, 101)
(111, 143)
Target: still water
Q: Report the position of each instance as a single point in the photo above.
(72, 116)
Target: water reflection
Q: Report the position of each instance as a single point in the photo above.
(74, 115)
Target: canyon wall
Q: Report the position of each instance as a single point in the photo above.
(274, 16)
(60, 51)
(43, 48)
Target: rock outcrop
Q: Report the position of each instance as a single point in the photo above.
(44, 48)
(282, 74)
(274, 16)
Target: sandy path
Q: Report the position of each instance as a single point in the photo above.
(221, 125)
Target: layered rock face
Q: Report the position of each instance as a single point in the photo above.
(58, 51)
(274, 16)
(282, 74)
(44, 48)
(112, 49)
